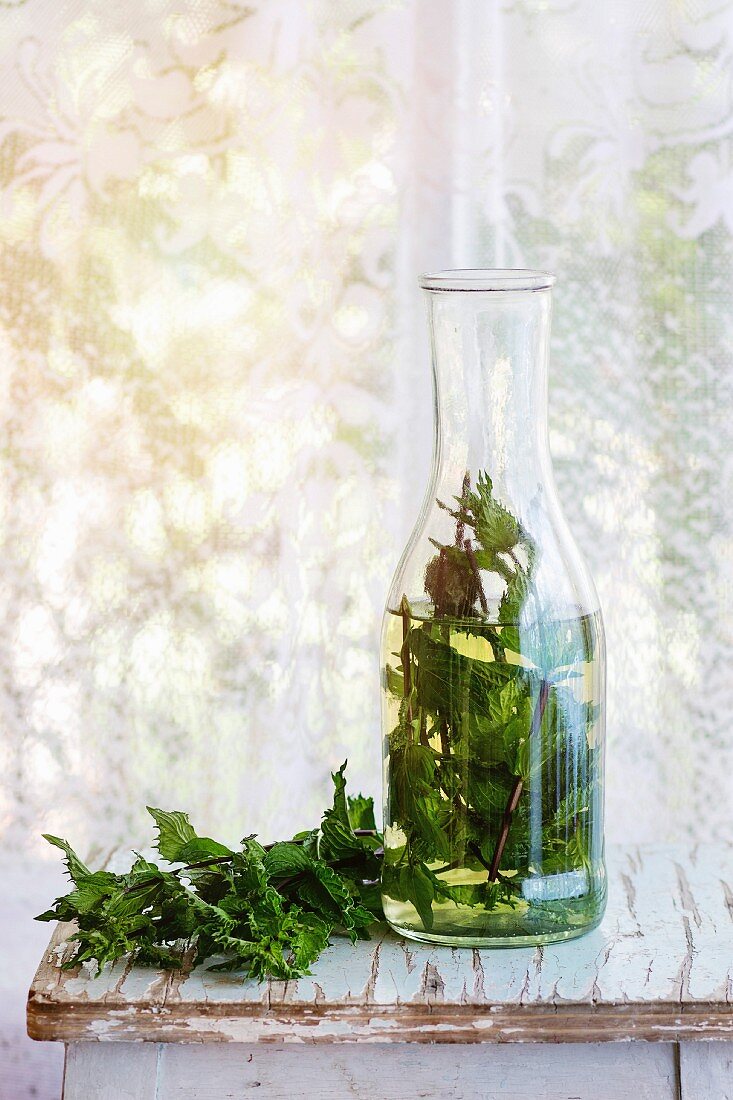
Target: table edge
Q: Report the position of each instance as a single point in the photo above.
(334, 1023)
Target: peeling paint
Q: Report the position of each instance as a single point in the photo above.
(658, 968)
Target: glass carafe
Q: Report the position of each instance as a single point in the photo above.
(493, 662)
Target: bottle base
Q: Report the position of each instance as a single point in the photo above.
(537, 939)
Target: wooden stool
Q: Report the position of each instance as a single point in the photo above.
(625, 1013)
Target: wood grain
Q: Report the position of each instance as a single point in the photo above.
(96, 1072)
(381, 1072)
(658, 968)
(706, 1071)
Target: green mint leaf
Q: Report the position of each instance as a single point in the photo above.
(340, 809)
(448, 683)
(514, 598)
(361, 812)
(285, 859)
(338, 841)
(495, 527)
(309, 942)
(417, 885)
(175, 831)
(309, 839)
(489, 790)
(202, 848)
(74, 865)
(394, 681)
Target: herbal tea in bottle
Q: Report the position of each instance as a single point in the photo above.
(493, 653)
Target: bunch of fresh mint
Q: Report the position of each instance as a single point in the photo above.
(268, 910)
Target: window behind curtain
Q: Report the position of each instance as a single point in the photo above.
(216, 404)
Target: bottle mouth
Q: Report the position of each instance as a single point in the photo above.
(488, 279)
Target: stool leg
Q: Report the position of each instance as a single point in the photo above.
(110, 1071)
(706, 1070)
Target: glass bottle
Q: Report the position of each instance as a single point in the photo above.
(493, 669)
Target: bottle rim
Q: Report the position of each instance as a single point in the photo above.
(488, 279)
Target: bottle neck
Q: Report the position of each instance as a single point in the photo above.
(490, 352)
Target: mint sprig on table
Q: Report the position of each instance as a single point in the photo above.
(268, 910)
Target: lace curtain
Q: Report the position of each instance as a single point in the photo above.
(216, 413)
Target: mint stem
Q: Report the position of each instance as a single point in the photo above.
(406, 612)
(518, 785)
(460, 522)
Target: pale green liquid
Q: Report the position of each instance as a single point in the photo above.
(551, 871)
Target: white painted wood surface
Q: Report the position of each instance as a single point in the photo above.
(101, 1072)
(706, 1071)
(602, 1071)
(660, 967)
